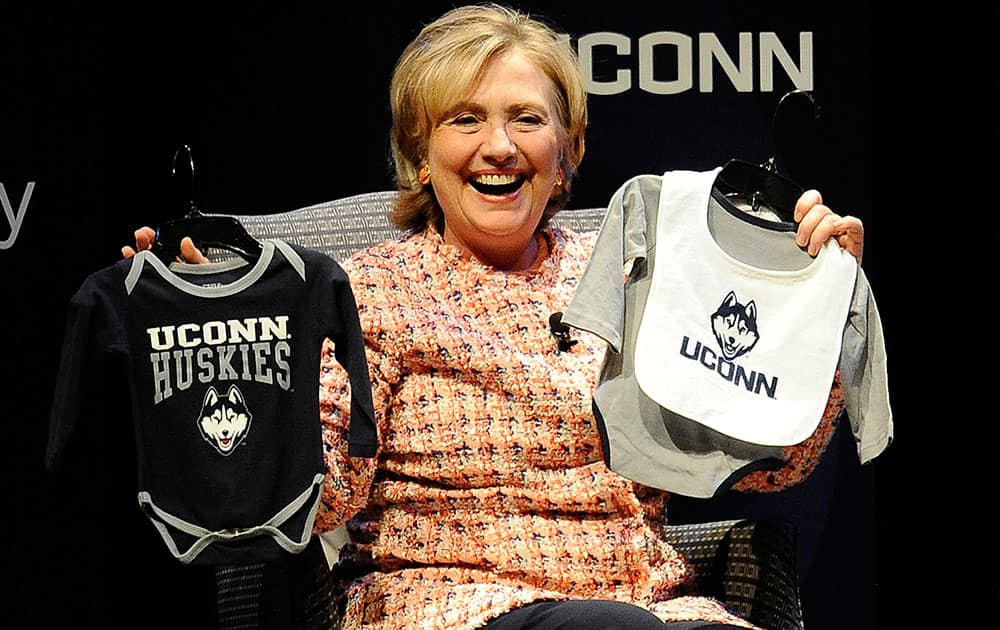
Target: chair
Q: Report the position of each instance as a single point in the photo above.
(748, 565)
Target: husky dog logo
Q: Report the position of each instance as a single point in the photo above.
(735, 326)
(224, 422)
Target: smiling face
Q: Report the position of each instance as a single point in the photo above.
(494, 159)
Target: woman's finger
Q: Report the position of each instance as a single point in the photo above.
(190, 253)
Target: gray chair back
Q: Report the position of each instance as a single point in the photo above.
(341, 227)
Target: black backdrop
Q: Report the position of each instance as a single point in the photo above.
(286, 107)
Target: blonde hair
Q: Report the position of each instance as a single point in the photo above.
(443, 64)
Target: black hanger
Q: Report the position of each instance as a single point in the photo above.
(757, 187)
(206, 230)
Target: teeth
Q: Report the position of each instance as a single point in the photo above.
(496, 180)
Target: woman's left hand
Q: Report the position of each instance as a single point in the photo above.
(818, 223)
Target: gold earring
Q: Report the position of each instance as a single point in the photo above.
(559, 179)
(425, 174)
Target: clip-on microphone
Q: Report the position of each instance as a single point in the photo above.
(561, 332)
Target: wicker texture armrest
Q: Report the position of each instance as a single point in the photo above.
(293, 594)
(748, 565)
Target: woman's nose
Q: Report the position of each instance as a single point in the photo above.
(498, 143)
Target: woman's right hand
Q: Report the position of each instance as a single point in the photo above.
(146, 236)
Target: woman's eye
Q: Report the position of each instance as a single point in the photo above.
(465, 120)
(529, 120)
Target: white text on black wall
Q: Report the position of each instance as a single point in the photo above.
(750, 64)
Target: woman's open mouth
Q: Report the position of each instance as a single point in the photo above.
(497, 184)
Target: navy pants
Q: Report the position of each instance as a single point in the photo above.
(590, 614)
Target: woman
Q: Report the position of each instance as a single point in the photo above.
(488, 504)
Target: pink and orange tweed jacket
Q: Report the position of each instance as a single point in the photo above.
(489, 489)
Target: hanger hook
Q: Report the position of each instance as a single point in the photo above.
(813, 107)
(182, 174)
